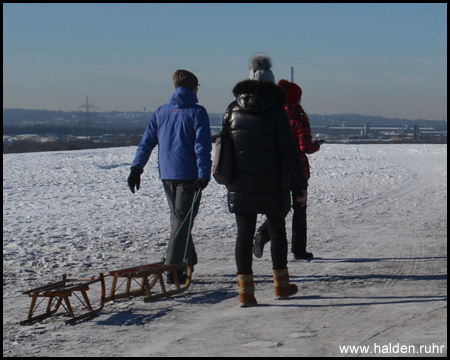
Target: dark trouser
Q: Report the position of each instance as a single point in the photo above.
(299, 227)
(246, 225)
(180, 196)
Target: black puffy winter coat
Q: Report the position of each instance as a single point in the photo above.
(265, 152)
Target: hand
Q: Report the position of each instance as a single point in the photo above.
(302, 197)
(134, 179)
(200, 184)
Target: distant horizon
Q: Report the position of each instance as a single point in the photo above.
(221, 113)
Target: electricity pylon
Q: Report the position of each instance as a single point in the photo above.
(87, 107)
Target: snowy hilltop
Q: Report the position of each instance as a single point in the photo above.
(377, 222)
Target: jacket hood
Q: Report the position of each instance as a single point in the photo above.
(257, 96)
(183, 97)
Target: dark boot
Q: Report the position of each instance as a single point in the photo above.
(181, 277)
(303, 256)
(261, 238)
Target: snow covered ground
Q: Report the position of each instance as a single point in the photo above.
(377, 227)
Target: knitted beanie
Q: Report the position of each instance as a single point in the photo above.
(260, 65)
(185, 78)
(292, 90)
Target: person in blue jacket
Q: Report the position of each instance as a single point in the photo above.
(182, 132)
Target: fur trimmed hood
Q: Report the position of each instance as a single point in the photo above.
(254, 95)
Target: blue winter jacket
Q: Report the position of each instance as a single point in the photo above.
(182, 132)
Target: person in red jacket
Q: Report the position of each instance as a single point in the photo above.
(301, 130)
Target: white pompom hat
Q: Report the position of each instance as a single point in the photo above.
(260, 65)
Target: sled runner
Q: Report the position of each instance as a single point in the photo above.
(146, 277)
(58, 295)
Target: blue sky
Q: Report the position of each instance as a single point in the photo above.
(369, 59)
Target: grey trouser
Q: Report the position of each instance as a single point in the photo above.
(180, 196)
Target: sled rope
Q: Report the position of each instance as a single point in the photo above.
(196, 195)
(189, 215)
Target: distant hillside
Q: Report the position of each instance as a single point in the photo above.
(361, 120)
(19, 121)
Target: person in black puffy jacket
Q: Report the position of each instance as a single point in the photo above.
(265, 158)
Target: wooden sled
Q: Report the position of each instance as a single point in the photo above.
(58, 294)
(148, 275)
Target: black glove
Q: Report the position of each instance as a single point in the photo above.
(134, 179)
(200, 184)
(301, 193)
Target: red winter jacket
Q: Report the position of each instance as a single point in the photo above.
(302, 134)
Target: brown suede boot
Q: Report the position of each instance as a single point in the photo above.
(246, 291)
(282, 287)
